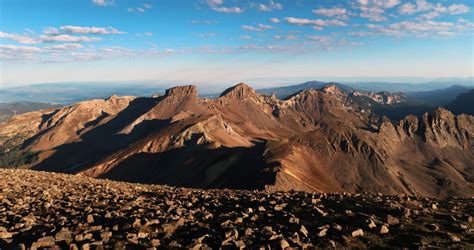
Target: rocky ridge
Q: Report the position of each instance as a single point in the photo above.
(317, 140)
(48, 210)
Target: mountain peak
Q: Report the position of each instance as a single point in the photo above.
(182, 91)
(239, 92)
(331, 89)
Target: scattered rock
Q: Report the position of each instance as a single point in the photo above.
(5, 235)
(90, 219)
(372, 224)
(304, 231)
(76, 211)
(357, 233)
(433, 227)
(323, 232)
(392, 220)
(284, 244)
(155, 243)
(64, 235)
(279, 207)
(105, 235)
(454, 237)
(47, 241)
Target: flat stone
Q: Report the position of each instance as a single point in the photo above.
(90, 219)
(47, 241)
(357, 233)
(304, 231)
(392, 220)
(5, 235)
(155, 243)
(323, 232)
(105, 235)
(64, 235)
(284, 244)
(372, 224)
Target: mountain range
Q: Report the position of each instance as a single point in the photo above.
(327, 139)
(66, 93)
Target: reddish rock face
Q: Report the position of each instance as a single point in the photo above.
(182, 91)
(315, 140)
(240, 91)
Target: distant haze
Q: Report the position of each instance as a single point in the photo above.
(263, 42)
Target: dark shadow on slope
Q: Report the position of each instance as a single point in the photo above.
(100, 141)
(395, 111)
(198, 166)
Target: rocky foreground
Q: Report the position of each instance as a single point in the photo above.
(39, 209)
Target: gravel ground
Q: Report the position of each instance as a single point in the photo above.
(39, 209)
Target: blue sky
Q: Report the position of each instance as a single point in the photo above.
(227, 41)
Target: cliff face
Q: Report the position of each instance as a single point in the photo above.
(315, 140)
(463, 104)
(383, 97)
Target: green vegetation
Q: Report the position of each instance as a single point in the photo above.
(11, 153)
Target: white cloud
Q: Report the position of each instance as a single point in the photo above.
(317, 22)
(204, 21)
(141, 9)
(18, 38)
(407, 9)
(272, 5)
(235, 10)
(421, 28)
(18, 53)
(68, 38)
(453, 9)
(374, 10)
(103, 3)
(215, 2)
(259, 27)
(50, 31)
(25, 49)
(331, 12)
(419, 6)
(263, 48)
(145, 34)
(287, 37)
(206, 35)
(68, 46)
(29, 31)
(432, 10)
(90, 30)
(216, 5)
(47, 38)
(319, 39)
(385, 4)
(274, 20)
(136, 10)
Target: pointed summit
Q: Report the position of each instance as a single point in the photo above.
(239, 92)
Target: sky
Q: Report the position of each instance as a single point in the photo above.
(229, 41)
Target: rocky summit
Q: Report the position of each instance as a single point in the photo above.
(49, 210)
